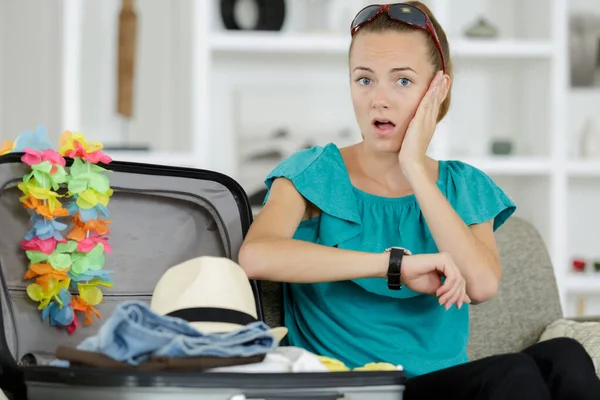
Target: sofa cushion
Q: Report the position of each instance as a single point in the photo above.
(586, 333)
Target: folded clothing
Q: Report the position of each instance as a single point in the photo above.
(334, 365)
(134, 333)
(283, 359)
(77, 357)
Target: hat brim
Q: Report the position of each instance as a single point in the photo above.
(279, 332)
(216, 327)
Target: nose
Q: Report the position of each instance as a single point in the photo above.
(380, 97)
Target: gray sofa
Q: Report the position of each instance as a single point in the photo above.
(526, 304)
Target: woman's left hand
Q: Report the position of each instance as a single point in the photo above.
(421, 128)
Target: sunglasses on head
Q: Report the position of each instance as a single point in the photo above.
(399, 12)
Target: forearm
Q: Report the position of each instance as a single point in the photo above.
(289, 260)
(476, 262)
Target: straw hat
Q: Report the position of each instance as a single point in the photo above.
(212, 293)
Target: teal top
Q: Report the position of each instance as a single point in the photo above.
(362, 321)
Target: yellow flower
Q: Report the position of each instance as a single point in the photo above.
(90, 293)
(67, 143)
(37, 293)
(31, 188)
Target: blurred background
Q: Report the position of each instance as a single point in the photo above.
(236, 86)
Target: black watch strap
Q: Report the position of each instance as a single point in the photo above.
(394, 273)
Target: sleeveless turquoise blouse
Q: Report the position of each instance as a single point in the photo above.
(362, 321)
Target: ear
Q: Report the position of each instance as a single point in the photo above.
(445, 87)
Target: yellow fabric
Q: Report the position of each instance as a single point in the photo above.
(380, 366)
(334, 365)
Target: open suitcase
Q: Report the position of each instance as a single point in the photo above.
(161, 216)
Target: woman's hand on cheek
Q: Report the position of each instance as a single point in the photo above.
(422, 126)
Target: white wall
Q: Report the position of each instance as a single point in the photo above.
(584, 193)
(31, 66)
(31, 34)
(584, 102)
(162, 86)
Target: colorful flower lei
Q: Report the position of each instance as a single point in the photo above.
(65, 264)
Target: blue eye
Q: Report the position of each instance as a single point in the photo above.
(362, 81)
(404, 81)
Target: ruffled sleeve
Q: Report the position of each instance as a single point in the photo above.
(475, 196)
(318, 176)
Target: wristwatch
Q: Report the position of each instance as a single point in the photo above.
(394, 268)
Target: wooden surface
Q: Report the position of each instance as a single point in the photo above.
(126, 58)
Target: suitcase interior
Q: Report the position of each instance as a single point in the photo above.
(161, 216)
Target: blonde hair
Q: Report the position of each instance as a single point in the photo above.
(383, 23)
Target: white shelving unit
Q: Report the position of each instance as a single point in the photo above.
(527, 100)
(277, 43)
(583, 283)
(514, 87)
(581, 169)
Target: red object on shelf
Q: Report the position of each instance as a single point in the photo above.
(579, 265)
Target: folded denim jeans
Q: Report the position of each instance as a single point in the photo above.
(134, 332)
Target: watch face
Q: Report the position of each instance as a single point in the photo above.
(406, 251)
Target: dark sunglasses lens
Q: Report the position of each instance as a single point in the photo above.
(364, 15)
(411, 15)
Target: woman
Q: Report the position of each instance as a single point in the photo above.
(339, 225)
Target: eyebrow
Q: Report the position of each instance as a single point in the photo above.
(398, 69)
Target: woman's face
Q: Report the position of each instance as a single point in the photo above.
(390, 73)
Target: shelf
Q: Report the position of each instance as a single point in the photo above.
(502, 48)
(273, 42)
(583, 283)
(511, 165)
(276, 43)
(169, 159)
(580, 169)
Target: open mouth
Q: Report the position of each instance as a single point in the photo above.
(383, 124)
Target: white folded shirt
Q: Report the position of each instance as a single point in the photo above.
(281, 359)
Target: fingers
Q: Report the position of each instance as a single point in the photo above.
(454, 289)
(465, 299)
(430, 100)
(458, 296)
(437, 92)
(455, 295)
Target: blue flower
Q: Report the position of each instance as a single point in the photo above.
(88, 275)
(60, 315)
(34, 140)
(45, 229)
(87, 214)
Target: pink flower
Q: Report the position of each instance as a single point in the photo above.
(87, 244)
(98, 156)
(46, 246)
(72, 327)
(94, 157)
(54, 157)
(33, 157)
